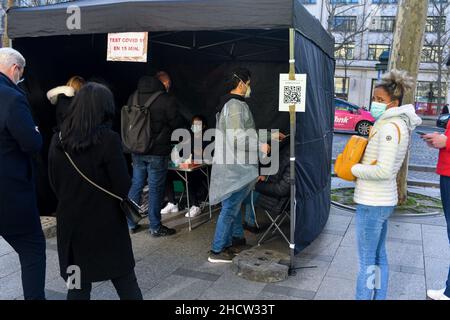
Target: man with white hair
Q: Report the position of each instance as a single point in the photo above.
(19, 139)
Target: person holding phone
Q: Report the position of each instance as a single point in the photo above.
(441, 141)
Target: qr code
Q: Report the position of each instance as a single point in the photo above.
(292, 94)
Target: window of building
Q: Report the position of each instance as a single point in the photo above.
(384, 1)
(427, 91)
(344, 1)
(375, 50)
(435, 23)
(341, 85)
(344, 24)
(382, 24)
(429, 54)
(346, 52)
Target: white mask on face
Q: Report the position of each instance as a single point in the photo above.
(196, 128)
(249, 90)
(248, 93)
(17, 79)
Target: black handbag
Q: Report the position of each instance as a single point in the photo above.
(129, 207)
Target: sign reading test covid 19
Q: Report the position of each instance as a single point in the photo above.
(292, 92)
(128, 46)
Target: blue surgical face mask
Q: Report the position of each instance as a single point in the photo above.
(377, 109)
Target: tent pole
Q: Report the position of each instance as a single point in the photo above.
(292, 153)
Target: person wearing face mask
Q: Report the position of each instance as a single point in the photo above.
(20, 140)
(376, 186)
(232, 177)
(198, 186)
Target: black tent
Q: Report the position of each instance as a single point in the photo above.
(197, 42)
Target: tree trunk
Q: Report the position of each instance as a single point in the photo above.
(6, 41)
(405, 55)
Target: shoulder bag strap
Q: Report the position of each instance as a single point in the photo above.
(86, 178)
(152, 99)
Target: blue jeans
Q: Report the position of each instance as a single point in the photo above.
(371, 231)
(152, 170)
(229, 224)
(250, 218)
(445, 196)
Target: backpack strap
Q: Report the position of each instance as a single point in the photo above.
(152, 99)
(135, 99)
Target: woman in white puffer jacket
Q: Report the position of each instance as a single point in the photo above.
(376, 185)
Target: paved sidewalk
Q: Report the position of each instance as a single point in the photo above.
(176, 267)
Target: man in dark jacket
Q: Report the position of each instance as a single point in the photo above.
(152, 167)
(19, 138)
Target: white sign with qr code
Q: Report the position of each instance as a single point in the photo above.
(292, 92)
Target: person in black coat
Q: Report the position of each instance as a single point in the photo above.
(92, 230)
(62, 96)
(152, 167)
(271, 191)
(20, 224)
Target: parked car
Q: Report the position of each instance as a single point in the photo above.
(350, 117)
(442, 120)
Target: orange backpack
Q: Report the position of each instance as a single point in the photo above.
(352, 154)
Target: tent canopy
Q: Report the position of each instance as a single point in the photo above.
(198, 42)
(105, 16)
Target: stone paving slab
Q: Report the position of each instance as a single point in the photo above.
(230, 286)
(177, 287)
(336, 289)
(288, 291)
(436, 272)
(435, 242)
(403, 286)
(5, 248)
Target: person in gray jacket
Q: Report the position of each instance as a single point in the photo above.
(235, 170)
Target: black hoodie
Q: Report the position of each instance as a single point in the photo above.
(164, 114)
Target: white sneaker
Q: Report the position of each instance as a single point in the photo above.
(193, 212)
(437, 295)
(170, 208)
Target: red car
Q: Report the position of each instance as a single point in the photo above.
(350, 117)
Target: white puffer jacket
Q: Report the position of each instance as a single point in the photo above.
(376, 183)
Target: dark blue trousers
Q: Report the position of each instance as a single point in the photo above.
(31, 251)
(445, 196)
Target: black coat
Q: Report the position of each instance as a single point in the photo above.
(276, 189)
(92, 231)
(163, 112)
(19, 139)
(62, 108)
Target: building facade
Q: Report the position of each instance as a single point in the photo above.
(364, 30)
